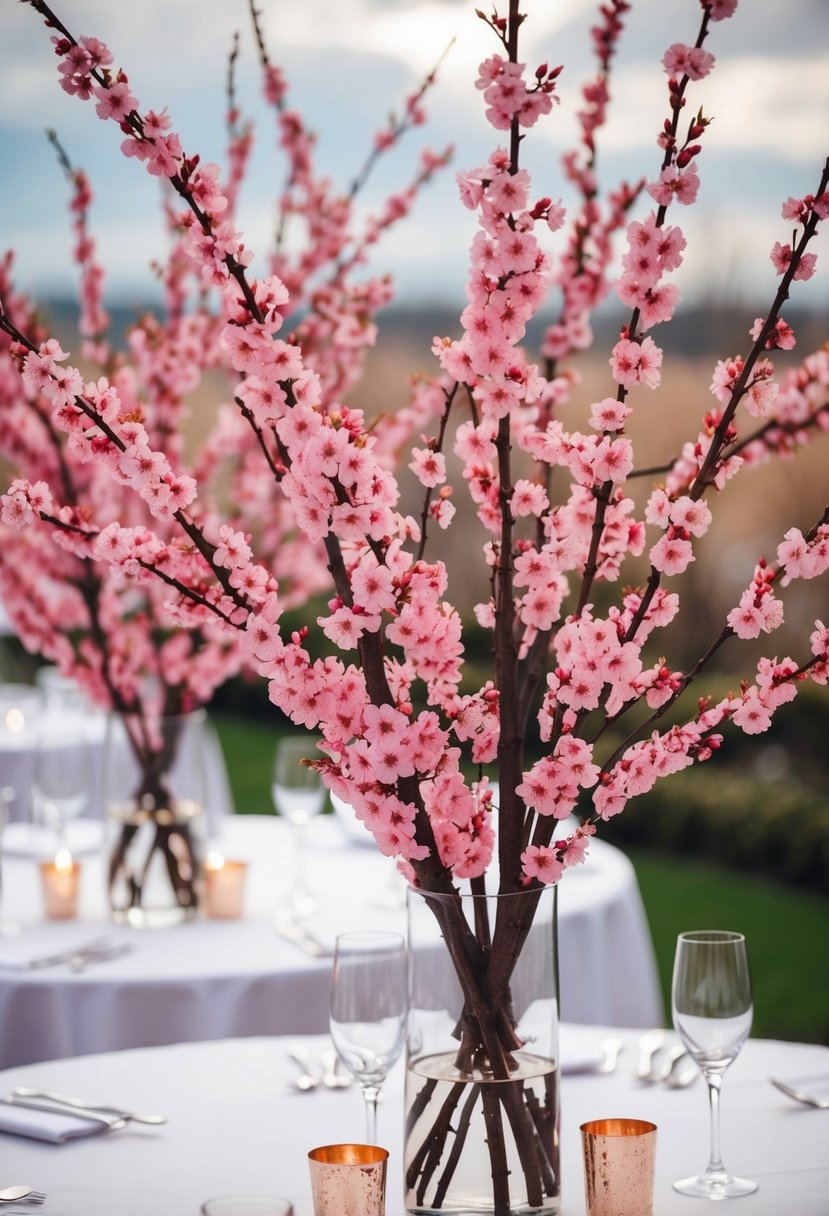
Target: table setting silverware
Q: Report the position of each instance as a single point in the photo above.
(21, 1194)
(111, 1122)
(288, 925)
(332, 1078)
(800, 1095)
(83, 1105)
(78, 957)
(682, 1070)
(650, 1044)
(676, 1071)
(60, 957)
(306, 1081)
(102, 954)
(610, 1049)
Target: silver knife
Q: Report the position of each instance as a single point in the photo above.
(288, 926)
(64, 956)
(84, 958)
(113, 1122)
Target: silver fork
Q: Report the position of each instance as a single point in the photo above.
(799, 1095)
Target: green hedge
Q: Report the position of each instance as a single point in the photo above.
(735, 821)
(760, 804)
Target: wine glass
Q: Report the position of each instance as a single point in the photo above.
(8, 928)
(368, 1010)
(712, 1012)
(62, 775)
(299, 795)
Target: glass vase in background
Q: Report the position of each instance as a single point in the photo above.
(154, 796)
(482, 1076)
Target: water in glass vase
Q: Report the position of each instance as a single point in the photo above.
(455, 1174)
(154, 863)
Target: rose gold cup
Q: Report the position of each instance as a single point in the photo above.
(348, 1180)
(619, 1156)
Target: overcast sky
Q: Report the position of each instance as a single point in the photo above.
(350, 62)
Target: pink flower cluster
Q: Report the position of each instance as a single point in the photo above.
(400, 725)
(508, 96)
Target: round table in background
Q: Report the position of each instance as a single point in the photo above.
(211, 979)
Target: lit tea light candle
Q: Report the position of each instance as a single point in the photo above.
(224, 879)
(15, 721)
(60, 880)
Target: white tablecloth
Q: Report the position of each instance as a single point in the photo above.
(235, 1125)
(212, 979)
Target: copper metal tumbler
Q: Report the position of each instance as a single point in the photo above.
(348, 1179)
(619, 1157)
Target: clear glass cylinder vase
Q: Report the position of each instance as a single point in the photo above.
(482, 1102)
(154, 795)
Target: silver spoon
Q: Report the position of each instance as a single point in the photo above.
(306, 1081)
(82, 1104)
(800, 1096)
(10, 1194)
(649, 1045)
(332, 1078)
(610, 1055)
(681, 1071)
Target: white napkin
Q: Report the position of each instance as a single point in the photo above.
(580, 1048)
(52, 1126)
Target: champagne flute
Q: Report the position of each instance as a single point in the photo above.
(368, 1010)
(299, 795)
(712, 1011)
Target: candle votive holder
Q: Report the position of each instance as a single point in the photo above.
(348, 1179)
(60, 880)
(224, 887)
(619, 1159)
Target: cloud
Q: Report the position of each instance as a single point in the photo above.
(352, 61)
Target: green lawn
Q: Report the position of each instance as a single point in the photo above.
(787, 928)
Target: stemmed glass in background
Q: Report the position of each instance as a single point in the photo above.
(712, 1013)
(298, 794)
(62, 778)
(368, 1010)
(8, 928)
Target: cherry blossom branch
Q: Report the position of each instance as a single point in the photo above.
(721, 436)
(688, 677)
(412, 116)
(436, 447)
(510, 740)
(128, 117)
(192, 531)
(792, 272)
(765, 435)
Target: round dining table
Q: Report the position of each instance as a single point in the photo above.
(268, 973)
(237, 1124)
